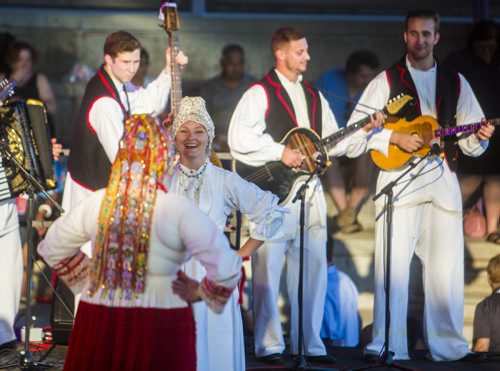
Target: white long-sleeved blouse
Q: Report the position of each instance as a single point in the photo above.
(179, 231)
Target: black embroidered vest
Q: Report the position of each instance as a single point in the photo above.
(88, 163)
(447, 93)
(280, 115)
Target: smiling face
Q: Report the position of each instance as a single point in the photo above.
(124, 66)
(191, 141)
(420, 37)
(292, 58)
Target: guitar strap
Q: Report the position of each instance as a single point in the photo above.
(447, 93)
(280, 115)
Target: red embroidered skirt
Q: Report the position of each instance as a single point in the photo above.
(135, 339)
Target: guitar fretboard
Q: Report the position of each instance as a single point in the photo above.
(342, 133)
(463, 128)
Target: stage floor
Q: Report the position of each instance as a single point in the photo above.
(347, 358)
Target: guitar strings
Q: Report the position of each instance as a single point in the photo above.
(264, 172)
(348, 100)
(308, 148)
(422, 173)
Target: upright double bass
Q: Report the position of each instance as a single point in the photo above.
(169, 20)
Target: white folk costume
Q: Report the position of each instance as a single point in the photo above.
(11, 269)
(258, 113)
(99, 127)
(129, 318)
(219, 337)
(427, 217)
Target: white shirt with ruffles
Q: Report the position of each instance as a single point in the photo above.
(250, 144)
(107, 120)
(179, 231)
(435, 182)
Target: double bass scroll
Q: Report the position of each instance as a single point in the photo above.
(169, 21)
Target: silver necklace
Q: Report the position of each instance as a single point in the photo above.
(191, 181)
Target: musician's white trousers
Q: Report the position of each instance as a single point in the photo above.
(11, 269)
(266, 271)
(436, 237)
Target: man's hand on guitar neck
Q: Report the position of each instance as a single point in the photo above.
(376, 120)
(486, 131)
(407, 142)
(180, 58)
(292, 157)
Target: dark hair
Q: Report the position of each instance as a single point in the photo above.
(484, 31)
(144, 56)
(231, 48)
(424, 14)
(360, 58)
(284, 36)
(14, 50)
(494, 269)
(119, 42)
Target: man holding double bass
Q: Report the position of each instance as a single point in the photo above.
(109, 99)
(427, 203)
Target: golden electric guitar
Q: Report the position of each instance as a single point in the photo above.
(425, 127)
(280, 179)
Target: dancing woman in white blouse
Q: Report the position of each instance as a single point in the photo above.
(129, 318)
(217, 191)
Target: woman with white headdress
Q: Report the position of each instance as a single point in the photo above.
(217, 191)
(129, 317)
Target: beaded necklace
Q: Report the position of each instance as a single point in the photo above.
(191, 181)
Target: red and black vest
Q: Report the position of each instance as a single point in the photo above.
(447, 93)
(88, 163)
(280, 115)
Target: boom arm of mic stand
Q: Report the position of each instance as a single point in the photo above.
(4, 148)
(388, 187)
(301, 191)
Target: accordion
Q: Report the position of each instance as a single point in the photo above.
(24, 130)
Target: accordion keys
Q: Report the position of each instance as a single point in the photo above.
(24, 128)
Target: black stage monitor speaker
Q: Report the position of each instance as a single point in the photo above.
(61, 317)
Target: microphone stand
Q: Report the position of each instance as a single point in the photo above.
(26, 361)
(300, 195)
(385, 359)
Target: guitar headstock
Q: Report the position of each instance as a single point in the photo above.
(6, 89)
(169, 17)
(395, 104)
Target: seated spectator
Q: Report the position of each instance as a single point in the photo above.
(21, 58)
(486, 332)
(348, 180)
(223, 92)
(480, 65)
(341, 321)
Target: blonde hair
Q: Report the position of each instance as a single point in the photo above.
(493, 270)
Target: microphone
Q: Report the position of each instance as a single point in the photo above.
(319, 159)
(435, 148)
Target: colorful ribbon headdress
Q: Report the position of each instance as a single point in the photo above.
(122, 243)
